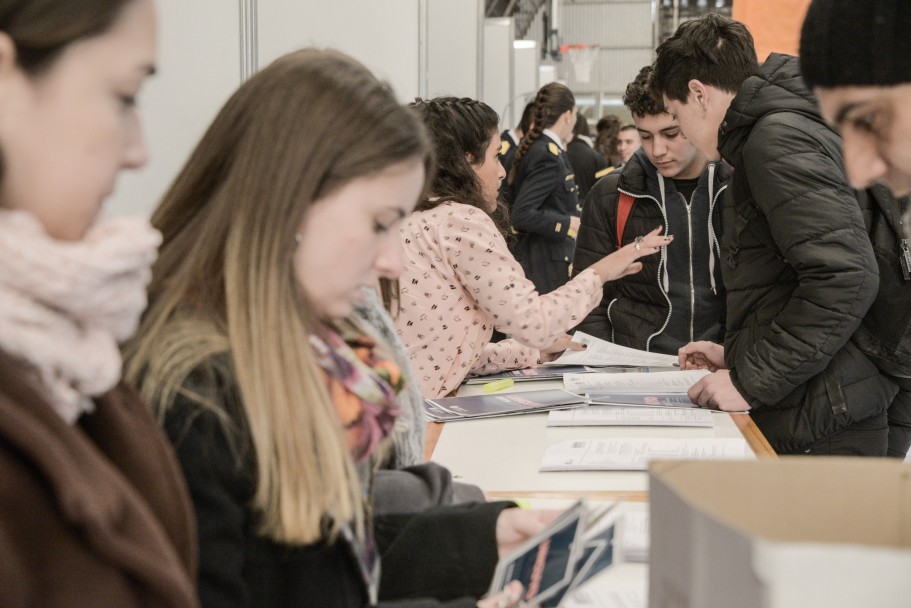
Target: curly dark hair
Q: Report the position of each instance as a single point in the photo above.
(459, 128)
(639, 96)
(713, 49)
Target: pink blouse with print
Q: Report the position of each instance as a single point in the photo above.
(459, 282)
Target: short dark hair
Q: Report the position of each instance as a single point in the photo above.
(528, 115)
(640, 98)
(713, 49)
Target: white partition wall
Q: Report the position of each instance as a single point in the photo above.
(382, 35)
(198, 69)
(498, 57)
(454, 47)
(525, 73)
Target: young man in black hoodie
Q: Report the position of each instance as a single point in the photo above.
(797, 262)
(678, 296)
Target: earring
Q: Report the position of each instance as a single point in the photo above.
(298, 238)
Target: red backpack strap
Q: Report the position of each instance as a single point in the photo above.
(624, 206)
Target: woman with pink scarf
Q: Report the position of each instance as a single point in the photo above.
(92, 509)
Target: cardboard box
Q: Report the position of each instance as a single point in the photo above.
(797, 532)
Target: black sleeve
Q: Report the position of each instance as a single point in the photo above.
(542, 174)
(597, 239)
(447, 552)
(219, 491)
(815, 221)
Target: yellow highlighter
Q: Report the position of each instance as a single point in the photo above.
(498, 385)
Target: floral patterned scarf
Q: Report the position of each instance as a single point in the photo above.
(363, 388)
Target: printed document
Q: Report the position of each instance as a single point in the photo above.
(601, 353)
(618, 415)
(634, 454)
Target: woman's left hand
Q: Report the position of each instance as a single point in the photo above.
(563, 343)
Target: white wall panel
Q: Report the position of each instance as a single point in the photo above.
(198, 69)
(453, 42)
(498, 55)
(382, 35)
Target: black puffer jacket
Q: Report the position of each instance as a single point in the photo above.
(797, 264)
(635, 310)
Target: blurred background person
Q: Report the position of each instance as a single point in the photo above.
(629, 142)
(588, 165)
(607, 140)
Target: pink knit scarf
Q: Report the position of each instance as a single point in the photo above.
(64, 306)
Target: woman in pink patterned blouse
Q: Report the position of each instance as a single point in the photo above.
(460, 281)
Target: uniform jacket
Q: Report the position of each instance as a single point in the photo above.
(94, 514)
(797, 264)
(544, 196)
(587, 163)
(508, 149)
(450, 551)
(636, 310)
(459, 282)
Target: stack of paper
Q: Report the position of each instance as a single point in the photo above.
(539, 372)
(484, 406)
(657, 383)
(634, 454)
(610, 415)
(601, 353)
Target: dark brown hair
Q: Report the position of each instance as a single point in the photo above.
(459, 128)
(640, 98)
(552, 101)
(713, 49)
(42, 29)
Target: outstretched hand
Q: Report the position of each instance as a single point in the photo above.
(623, 262)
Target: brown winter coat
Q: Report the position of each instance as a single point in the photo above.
(95, 514)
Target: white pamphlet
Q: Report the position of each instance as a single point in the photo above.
(633, 536)
(634, 454)
(618, 415)
(667, 383)
(605, 354)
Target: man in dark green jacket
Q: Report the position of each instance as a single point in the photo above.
(854, 56)
(797, 263)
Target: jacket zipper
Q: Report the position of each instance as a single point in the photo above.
(689, 235)
(661, 263)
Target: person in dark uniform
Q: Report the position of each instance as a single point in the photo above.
(545, 210)
(587, 163)
(509, 144)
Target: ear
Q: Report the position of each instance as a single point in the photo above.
(470, 158)
(699, 92)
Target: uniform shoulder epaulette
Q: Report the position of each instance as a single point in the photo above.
(554, 148)
(504, 146)
(603, 172)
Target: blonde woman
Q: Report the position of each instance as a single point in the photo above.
(92, 508)
(275, 401)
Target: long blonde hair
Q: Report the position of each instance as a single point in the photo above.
(224, 282)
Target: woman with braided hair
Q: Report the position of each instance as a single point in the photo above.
(460, 280)
(545, 198)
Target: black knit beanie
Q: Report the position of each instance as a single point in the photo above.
(856, 42)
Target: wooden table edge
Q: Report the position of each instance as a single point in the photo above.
(744, 423)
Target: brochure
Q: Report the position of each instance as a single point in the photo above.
(667, 383)
(620, 415)
(639, 400)
(601, 353)
(572, 549)
(539, 372)
(634, 454)
(448, 409)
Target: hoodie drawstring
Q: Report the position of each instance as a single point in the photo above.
(711, 240)
(665, 279)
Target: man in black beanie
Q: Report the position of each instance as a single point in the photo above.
(855, 57)
(799, 269)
